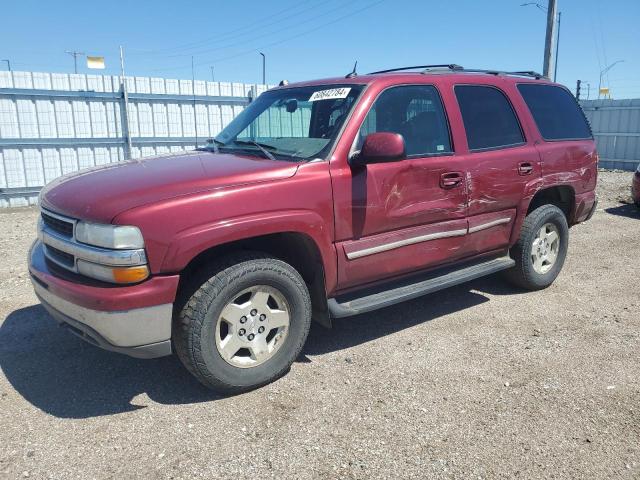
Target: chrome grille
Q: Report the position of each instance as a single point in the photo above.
(57, 224)
(60, 257)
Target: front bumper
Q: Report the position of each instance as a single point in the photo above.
(134, 320)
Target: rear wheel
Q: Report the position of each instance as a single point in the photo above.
(541, 249)
(245, 324)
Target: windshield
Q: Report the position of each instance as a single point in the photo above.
(289, 124)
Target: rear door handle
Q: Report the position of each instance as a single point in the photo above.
(525, 168)
(450, 180)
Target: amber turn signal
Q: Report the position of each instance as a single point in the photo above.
(130, 274)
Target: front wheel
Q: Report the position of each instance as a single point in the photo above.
(245, 324)
(541, 249)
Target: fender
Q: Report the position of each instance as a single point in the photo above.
(533, 187)
(191, 242)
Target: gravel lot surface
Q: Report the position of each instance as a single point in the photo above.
(480, 381)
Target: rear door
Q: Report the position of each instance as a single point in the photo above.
(500, 160)
(397, 217)
(567, 149)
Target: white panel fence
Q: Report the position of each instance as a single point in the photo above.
(55, 123)
(616, 128)
(52, 124)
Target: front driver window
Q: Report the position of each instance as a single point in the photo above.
(415, 112)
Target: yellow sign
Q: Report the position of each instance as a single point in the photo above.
(95, 62)
(604, 90)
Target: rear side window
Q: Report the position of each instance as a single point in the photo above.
(488, 117)
(555, 111)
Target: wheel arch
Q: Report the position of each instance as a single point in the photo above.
(562, 196)
(295, 248)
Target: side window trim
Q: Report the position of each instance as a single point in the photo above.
(452, 151)
(513, 110)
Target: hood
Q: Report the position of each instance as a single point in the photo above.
(101, 193)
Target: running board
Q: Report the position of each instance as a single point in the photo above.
(436, 281)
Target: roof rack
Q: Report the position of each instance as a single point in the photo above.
(450, 66)
(457, 68)
(523, 73)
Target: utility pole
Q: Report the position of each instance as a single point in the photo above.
(213, 79)
(264, 60)
(124, 112)
(8, 64)
(75, 56)
(550, 39)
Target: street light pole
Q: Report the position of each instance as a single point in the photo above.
(8, 64)
(264, 61)
(213, 79)
(605, 70)
(555, 63)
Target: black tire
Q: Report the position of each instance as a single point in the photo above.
(210, 291)
(523, 274)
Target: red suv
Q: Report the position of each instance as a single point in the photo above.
(321, 200)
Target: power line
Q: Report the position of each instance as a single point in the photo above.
(269, 33)
(263, 35)
(232, 33)
(263, 47)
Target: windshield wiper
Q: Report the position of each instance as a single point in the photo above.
(212, 144)
(262, 146)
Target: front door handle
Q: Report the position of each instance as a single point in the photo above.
(450, 180)
(525, 168)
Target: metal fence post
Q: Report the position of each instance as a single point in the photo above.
(124, 109)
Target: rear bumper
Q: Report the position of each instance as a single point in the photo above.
(585, 206)
(635, 188)
(592, 211)
(93, 313)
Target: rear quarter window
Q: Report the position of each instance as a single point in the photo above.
(556, 112)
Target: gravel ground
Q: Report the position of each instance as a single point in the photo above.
(480, 381)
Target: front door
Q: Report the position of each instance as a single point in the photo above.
(397, 217)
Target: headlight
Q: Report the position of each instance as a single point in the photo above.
(109, 236)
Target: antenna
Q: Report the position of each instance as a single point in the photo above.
(353, 72)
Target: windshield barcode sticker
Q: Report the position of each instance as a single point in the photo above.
(330, 94)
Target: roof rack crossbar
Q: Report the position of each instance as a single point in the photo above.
(527, 73)
(450, 66)
(458, 68)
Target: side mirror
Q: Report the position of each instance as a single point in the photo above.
(380, 147)
(292, 105)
